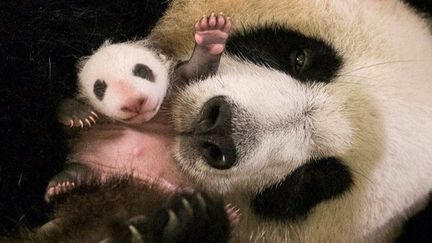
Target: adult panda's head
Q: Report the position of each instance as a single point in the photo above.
(269, 111)
(321, 82)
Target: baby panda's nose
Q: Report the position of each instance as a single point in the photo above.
(133, 106)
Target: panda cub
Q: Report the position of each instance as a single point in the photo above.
(127, 82)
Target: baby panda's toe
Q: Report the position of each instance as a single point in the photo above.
(212, 32)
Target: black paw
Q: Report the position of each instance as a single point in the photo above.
(188, 217)
(75, 113)
(191, 217)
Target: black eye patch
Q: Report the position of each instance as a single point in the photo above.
(143, 71)
(304, 58)
(99, 89)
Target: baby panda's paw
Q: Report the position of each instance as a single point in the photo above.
(212, 32)
(75, 113)
(67, 180)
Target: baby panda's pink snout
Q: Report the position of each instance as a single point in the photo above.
(139, 110)
(134, 105)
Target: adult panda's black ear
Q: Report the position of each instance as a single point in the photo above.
(307, 186)
(82, 61)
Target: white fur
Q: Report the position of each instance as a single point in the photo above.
(114, 63)
(376, 116)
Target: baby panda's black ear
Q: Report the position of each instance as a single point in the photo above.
(143, 71)
(82, 61)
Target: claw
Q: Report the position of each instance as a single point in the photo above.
(92, 119)
(172, 222)
(81, 123)
(94, 114)
(71, 123)
(187, 206)
(88, 122)
(201, 200)
(136, 236)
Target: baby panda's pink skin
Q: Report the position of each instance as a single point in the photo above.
(126, 81)
(141, 151)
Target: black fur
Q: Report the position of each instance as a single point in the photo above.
(422, 6)
(95, 211)
(143, 71)
(303, 189)
(418, 228)
(277, 47)
(206, 223)
(40, 44)
(99, 89)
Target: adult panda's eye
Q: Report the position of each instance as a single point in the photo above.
(298, 60)
(143, 71)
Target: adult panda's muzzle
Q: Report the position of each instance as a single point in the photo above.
(212, 134)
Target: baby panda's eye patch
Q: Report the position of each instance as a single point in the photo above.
(143, 71)
(99, 89)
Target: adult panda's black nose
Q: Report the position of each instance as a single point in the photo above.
(213, 133)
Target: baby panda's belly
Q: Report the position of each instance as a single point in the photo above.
(143, 152)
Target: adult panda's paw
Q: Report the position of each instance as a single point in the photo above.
(75, 113)
(191, 217)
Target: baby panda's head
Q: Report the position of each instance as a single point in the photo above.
(126, 81)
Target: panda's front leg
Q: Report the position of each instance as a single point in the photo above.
(188, 217)
(76, 113)
(73, 176)
(211, 34)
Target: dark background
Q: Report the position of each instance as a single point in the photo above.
(40, 42)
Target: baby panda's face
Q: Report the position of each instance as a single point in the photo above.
(126, 82)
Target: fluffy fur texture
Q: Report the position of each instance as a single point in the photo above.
(374, 115)
(133, 76)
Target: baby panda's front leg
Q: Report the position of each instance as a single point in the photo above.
(76, 113)
(211, 34)
(188, 217)
(73, 176)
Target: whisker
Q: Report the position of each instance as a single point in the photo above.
(379, 64)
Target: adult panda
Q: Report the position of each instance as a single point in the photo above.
(318, 122)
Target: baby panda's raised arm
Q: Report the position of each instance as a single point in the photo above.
(127, 82)
(211, 34)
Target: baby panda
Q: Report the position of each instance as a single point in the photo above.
(113, 162)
